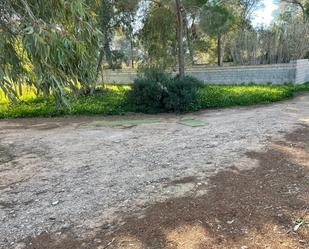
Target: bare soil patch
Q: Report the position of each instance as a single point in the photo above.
(256, 208)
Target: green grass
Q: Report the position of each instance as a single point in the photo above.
(113, 101)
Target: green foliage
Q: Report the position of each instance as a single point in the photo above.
(158, 36)
(108, 102)
(149, 91)
(181, 94)
(51, 45)
(306, 11)
(194, 4)
(113, 100)
(113, 15)
(157, 92)
(216, 19)
(298, 87)
(226, 96)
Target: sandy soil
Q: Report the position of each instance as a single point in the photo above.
(242, 181)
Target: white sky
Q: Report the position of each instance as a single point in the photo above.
(264, 15)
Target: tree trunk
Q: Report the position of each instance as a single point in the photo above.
(219, 50)
(108, 52)
(100, 60)
(223, 49)
(99, 69)
(181, 58)
(132, 52)
(190, 40)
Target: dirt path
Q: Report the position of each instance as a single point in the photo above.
(242, 181)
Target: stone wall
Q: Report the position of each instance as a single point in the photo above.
(296, 72)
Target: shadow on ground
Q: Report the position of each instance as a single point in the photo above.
(256, 208)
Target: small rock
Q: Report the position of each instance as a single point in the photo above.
(55, 203)
(244, 247)
(230, 222)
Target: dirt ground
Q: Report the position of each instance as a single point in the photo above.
(242, 181)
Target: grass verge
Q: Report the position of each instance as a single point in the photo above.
(113, 101)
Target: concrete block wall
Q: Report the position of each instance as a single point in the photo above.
(296, 72)
(118, 77)
(260, 74)
(302, 71)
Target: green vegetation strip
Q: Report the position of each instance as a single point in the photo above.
(122, 123)
(192, 122)
(113, 101)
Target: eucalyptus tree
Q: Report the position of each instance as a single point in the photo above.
(51, 45)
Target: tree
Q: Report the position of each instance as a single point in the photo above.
(114, 15)
(181, 57)
(50, 45)
(280, 43)
(216, 20)
(158, 36)
(245, 10)
(128, 8)
(158, 33)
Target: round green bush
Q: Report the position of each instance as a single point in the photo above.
(155, 91)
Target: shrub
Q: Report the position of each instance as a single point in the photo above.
(149, 91)
(181, 94)
(156, 91)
